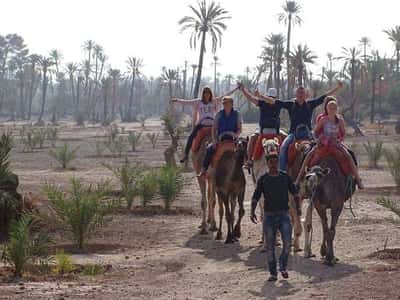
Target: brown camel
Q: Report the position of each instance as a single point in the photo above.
(230, 186)
(293, 170)
(328, 188)
(206, 188)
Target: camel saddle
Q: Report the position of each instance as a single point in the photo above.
(324, 151)
(222, 147)
(258, 147)
(200, 136)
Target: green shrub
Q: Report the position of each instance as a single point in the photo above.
(128, 177)
(52, 135)
(148, 187)
(99, 147)
(82, 210)
(93, 270)
(153, 138)
(29, 140)
(39, 135)
(393, 160)
(64, 155)
(374, 152)
(112, 133)
(390, 204)
(116, 147)
(170, 183)
(25, 246)
(64, 263)
(134, 139)
(142, 119)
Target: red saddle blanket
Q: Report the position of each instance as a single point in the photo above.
(336, 152)
(221, 149)
(293, 152)
(258, 147)
(203, 133)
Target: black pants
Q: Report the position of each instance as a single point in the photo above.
(192, 137)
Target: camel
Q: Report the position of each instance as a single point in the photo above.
(230, 185)
(293, 170)
(328, 188)
(207, 189)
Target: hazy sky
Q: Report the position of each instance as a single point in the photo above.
(149, 29)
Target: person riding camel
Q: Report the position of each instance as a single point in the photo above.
(269, 122)
(203, 113)
(227, 126)
(300, 113)
(330, 132)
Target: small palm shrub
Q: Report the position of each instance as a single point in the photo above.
(39, 135)
(153, 138)
(64, 263)
(128, 177)
(82, 210)
(142, 119)
(134, 139)
(116, 147)
(25, 246)
(148, 187)
(393, 160)
(93, 270)
(64, 155)
(390, 204)
(112, 132)
(99, 147)
(374, 152)
(52, 135)
(170, 183)
(29, 140)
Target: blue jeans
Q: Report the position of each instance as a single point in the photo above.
(283, 152)
(272, 223)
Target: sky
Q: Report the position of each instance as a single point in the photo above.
(149, 29)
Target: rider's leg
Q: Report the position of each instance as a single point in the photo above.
(190, 141)
(306, 163)
(207, 160)
(283, 153)
(250, 148)
(347, 158)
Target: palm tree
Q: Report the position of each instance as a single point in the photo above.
(34, 60)
(215, 58)
(276, 42)
(206, 19)
(88, 46)
(351, 57)
(365, 42)
(170, 76)
(71, 70)
(290, 16)
(134, 66)
(115, 75)
(45, 64)
(105, 84)
(330, 75)
(56, 56)
(394, 36)
(301, 56)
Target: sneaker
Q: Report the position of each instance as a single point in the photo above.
(273, 278)
(285, 274)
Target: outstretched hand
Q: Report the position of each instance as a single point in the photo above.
(340, 84)
(240, 85)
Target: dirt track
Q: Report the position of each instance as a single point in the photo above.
(164, 257)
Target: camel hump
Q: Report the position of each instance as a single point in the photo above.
(202, 134)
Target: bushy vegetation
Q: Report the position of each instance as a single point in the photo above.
(374, 152)
(82, 210)
(153, 138)
(390, 204)
(170, 183)
(393, 160)
(64, 263)
(148, 187)
(134, 139)
(64, 155)
(25, 246)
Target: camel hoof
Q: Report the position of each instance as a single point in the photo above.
(309, 255)
(295, 250)
(229, 241)
(218, 237)
(213, 227)
(237, 234)
(330, 262)
(263, 250)
(203, 231)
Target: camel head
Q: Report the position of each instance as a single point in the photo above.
(270, 145)
(314, 177)
(241, 147)
(303, 146)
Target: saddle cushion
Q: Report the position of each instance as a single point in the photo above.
(338, 154)
(221, 149)
(200, 136)
(258, 147)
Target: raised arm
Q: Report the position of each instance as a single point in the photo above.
(267, 99)
(184, 101)
(219, 99)
(253, 99)
(214, 131)
(335, 89)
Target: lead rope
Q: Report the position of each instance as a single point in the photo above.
(349, 188)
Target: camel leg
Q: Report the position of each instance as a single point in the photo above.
(221, 215)
(203, 225)
(330, 257)
(211, 206)
(297, 227)
(237, 231)
(232, 200)
(228, 217)
(325, 229)
(308, 230)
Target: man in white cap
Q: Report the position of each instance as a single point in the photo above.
(269, 121)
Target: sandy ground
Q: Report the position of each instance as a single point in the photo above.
(159, 256)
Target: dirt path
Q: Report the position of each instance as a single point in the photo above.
(164, 257)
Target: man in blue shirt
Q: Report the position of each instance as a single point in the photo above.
(227, 126)
(300, 113)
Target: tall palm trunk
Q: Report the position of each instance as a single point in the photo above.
(287, 55)
(71, 80)
(191, 85)
(44, 92)
(352, 81)
(200, 66)
(398, 61)
(131, 96)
